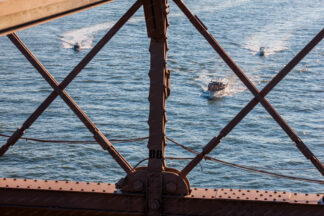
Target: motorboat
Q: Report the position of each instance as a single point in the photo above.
(261, 51)
(215, 86)
(76, 47)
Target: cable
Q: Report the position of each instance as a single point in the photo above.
(249, 168)
(177, 158)
(79, 141)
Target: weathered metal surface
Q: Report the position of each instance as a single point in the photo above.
(260, 98)
(50, 197)
(19, 14)
(156, 22)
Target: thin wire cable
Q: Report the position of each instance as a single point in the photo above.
(249, 168)
(78, 141)
(177, 158)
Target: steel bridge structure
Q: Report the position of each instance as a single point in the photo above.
(155, 189)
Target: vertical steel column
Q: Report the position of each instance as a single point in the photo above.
(156, 22)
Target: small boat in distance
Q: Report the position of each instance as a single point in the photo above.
(76, 47)
(261, 51)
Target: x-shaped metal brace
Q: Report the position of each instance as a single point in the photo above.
(258, 96)
(59, 90)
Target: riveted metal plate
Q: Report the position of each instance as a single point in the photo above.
(53, 185)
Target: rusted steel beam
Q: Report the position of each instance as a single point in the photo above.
(156, 21)
(50, 197)
(99, 137)
(235, 68)
(93, 52)
(18, 14)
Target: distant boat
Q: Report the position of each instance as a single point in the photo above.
(261, 51)
(76, 47)
(214, 87)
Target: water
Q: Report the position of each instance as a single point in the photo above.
(113, 89)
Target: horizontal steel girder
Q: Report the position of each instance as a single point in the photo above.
(50, 197)
(19, 14)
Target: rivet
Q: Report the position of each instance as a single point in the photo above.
(49, 188)
(203, 196)
(98, 183)
(103, 190)
(28, 186)
(82, 190)
(213, 197)
(229, 197)
(261, 194)
(206, 189)
(60, 188)
(265, 199)
(306, 194)
(39, 187)
(138, 185)
(35, 180)
(215, 189)
(154, 204)
(4, 178)
(25, 179)
(279, 195)
(67, 182)
(171, 187)
(45, 180)
(76, 182)
(14, 179)
(192, 195)
(307, 201)
(219, 196)
(71, 189)
(17, 186)
(93, 190)
(195, 188)
(56, 181)
(284, 199)
(295, 193)
(284, 192)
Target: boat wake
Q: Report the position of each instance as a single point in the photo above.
(85, 36)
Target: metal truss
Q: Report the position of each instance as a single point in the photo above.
(155, 189)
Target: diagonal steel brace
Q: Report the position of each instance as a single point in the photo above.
(258, 96)
(100, 138)
(20, 131)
